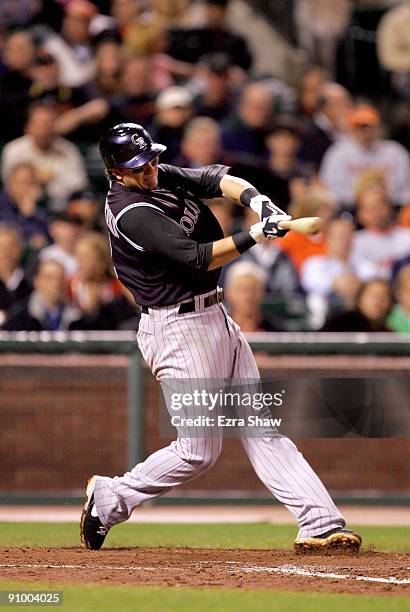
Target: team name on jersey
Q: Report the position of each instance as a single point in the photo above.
(190, 217)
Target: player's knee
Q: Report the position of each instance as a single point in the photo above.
(200, 454)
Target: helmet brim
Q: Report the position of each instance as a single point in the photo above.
(143, 158)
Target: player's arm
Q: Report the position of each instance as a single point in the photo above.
(150, 230)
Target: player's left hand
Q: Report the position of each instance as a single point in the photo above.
(264, 207)
(269, 228)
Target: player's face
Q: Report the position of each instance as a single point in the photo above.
(144, 178)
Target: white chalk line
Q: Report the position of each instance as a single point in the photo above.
(295, 570)
(289, 570)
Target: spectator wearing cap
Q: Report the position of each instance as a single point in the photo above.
(14, 285)
(64, 230)
(83, 205)
(245, 291)
(173, 111)
(245, 130)
(215, 36)
(381, 241)
(18, 56)
(215, 99)
(58, 163)
(73, 47)
(364, 150)
(19, 204)
(399, 317)
(327, 126)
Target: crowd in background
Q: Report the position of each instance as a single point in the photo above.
(327, 144)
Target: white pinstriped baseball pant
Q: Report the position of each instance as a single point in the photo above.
(208, 344)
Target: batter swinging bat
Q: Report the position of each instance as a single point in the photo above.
(304, 225)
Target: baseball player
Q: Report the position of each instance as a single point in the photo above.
(167, 249)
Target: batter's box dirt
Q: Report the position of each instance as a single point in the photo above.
(368, 572)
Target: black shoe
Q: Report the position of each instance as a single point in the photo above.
(92, 531)
(336, 540)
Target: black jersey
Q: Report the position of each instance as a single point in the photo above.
(161, 240)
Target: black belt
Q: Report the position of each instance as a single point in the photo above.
(215, 297)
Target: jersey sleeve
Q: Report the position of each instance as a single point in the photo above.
(203, 182)
(150, 230)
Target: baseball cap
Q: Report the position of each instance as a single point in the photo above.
(83, 194)
(364, 114)
(173, 97)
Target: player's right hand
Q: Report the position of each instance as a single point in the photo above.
(268, 229)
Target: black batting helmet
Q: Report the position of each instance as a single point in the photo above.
(128, 145)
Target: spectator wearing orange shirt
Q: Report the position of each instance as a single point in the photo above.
(316, 202)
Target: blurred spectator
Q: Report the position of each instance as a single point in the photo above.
(223, 211)
(358, 67)
(59, 165)
(328, 124)
(399, 317)
(46, 86)
(191, 44)
(320, 24)
(283, 143)
(173, 111)
(84, 206)
(73, 48)
(393, 41)
(310, 92)
(381, 241)
(141, 31)
(64, 230)
(136, 103)
(46, 308)
(108, 60)
(215, 99)
(373, 303)
(315, 202)
(331, 281)
(93, 284)
(201, 143)
(365, 150)
(245, 129)
(244, 289)
(15, 82)
(14, 13)
(14, 285)
(18, 204)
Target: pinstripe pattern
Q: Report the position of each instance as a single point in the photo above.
(207, 344)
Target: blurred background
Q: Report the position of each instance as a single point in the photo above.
(306, 99)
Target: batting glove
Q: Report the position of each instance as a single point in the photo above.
(264, 207)
(268, 228)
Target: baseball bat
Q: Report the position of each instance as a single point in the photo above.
(304, 225)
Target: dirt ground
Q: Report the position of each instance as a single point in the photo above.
(369, 572)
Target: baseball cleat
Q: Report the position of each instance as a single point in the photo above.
(336, 540)
(92, 531)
